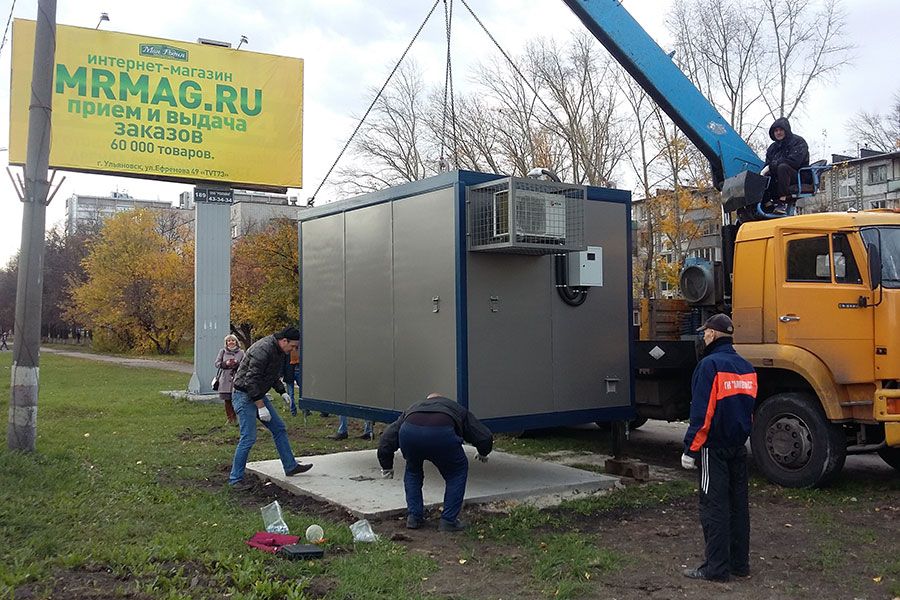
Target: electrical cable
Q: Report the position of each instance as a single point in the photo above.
(312, 198)
(570, 295)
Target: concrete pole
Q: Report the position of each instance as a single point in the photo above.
(21, 431)
(212, 289)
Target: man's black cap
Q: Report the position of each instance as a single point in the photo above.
(291, 333)
(720, 322)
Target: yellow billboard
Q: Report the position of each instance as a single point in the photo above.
(148, 107)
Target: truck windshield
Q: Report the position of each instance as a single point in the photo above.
(888, 240)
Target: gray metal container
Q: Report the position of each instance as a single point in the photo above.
(394, 306)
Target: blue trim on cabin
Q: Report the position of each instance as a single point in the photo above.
(497, 425)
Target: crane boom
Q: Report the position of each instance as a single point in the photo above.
(660, 77)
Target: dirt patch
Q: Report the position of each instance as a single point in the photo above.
(89, 583)
(839, 544)
(798, 549)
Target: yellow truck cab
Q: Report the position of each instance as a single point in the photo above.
(816, 308)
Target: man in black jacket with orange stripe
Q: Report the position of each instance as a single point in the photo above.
(722, 399)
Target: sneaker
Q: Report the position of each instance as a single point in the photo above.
(366, 436)
(699, 574)
(414, 522)
(741, 574)
(780, 208)
(300, 468)
(241, 486)
(338, 436)
(451, 526)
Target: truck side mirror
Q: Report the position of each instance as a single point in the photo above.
(874, 265)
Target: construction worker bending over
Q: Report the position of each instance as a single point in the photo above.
(434, 430)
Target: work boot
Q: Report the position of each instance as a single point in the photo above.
(241, 486)
(451, 526)
(300, 468)
(338, 436)
(700, 574)
(413, 522)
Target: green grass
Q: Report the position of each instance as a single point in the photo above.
(564, 565)
(185, 354)
(547, 441)
(128, 481)
(632, 497)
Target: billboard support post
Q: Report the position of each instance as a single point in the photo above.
(21, 431)
(212, 282)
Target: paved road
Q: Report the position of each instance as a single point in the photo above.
(145, 363)
(661, 433)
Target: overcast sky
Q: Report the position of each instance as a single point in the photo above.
(350, 45)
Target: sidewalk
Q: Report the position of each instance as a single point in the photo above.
(141, 363)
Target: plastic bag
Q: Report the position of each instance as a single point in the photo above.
(272, 518)
(362, 532)
(315, 534)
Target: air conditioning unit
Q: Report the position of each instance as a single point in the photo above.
(538, 215)
(517, 215)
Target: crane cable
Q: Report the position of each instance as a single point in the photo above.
(312, 198)
(8, 21)
(449, 108)
(514, 66)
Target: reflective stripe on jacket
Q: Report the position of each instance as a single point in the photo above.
(723, 395)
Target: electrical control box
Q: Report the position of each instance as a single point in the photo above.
(586, 267)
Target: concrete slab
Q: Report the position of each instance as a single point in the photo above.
(353, 480)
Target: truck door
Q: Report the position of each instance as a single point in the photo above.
(819, 307)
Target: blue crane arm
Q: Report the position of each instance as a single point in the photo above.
(660, 77)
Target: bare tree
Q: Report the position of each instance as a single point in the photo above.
(805, 46)
(756, 61)
(641, 156)
(478, 144)
(395, 145)
(718, 45)
(580, 84)
(514, 119)
(877, 131)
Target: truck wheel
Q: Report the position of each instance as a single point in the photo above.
(891, 456)
(794, 444)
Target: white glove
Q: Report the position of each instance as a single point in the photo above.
(765, 170)
(387, 473)
(688, 462)
(481, 458)
(264, 415)
(287, 400)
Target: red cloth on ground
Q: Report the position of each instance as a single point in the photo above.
(271, 542)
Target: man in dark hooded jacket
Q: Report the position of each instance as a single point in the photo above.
(787, 153)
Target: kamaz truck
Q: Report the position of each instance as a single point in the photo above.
(815, 298)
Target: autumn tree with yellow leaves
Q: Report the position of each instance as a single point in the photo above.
(138, 291)
(265, 281)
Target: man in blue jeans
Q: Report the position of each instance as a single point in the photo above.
(259, 371)
(434, 430)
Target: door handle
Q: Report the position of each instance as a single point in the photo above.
(788, 318)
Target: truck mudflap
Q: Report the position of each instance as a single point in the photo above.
(887, 409)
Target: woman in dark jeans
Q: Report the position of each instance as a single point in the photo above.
(227, 362)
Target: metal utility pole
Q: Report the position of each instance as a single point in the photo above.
(22, 428)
